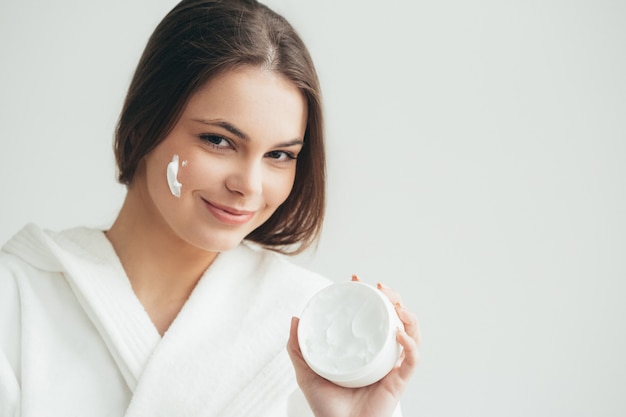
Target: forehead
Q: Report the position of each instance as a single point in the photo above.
(258, 101)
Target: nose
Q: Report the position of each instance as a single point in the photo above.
(246, 179)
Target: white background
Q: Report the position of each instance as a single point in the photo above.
(476, 164)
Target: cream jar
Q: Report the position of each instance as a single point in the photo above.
(347, 334)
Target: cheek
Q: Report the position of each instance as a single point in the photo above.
(195, 172)
(279, 188)
(158, 177)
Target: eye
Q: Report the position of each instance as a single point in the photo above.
(281, 156)
(215, 140)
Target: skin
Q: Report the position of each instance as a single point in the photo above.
(238, 135)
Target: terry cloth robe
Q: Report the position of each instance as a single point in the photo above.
(75, 340)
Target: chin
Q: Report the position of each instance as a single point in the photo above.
(220, 243)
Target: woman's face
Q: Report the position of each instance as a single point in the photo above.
(237, 142)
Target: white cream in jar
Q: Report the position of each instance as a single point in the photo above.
(347, 334)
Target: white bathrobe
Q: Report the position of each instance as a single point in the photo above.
(75, 340)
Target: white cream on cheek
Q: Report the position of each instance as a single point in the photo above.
(172, 176)
(348, 328)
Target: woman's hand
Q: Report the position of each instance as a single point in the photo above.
(377, 400)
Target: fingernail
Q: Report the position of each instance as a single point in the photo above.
(400, 331)
(380, 286)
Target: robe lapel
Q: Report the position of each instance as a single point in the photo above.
(226, 345)
(96, 276)
(224, 355)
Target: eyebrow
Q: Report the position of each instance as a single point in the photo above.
(226, 126)
(241, 135)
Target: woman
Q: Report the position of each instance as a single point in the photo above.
(182, 306)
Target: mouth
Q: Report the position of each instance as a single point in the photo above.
(229, 215)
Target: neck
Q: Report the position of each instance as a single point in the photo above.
(162, 268)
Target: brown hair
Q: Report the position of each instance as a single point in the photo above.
(198, 40)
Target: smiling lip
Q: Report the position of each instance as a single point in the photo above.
(228, 215)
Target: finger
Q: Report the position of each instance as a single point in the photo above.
(409, 319)
(303, 372)
(355, 278)
(393, 296)
(411, 355)
(293, 345)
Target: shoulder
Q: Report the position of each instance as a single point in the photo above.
(278, 278)
(16, 268)
(9, 266)
(10, 333)
(280, 267)
(13, 270)
(30, 267)
(27, 268)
